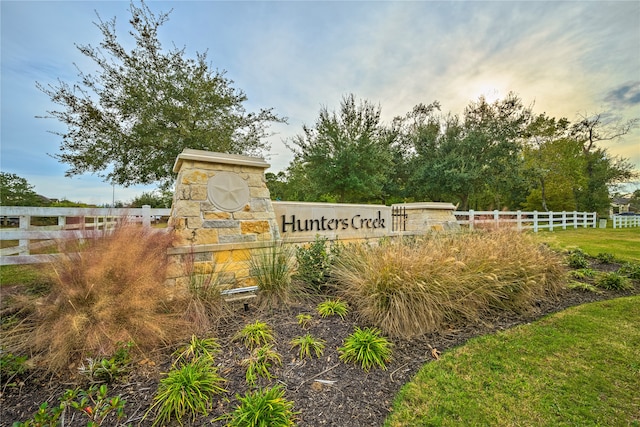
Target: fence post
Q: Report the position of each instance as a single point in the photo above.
(564, 220)
(519, 220)
(550, 220)
(25, 221)
(595, 219)
(496, 218)
(575, 219)
(146, 216)
(471, 219)
(535, 221)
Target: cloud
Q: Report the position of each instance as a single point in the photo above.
(625, 95)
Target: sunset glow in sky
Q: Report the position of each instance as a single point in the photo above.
(564, 58)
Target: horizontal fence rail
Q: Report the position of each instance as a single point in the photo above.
(526, 220)
(622, 221)
(69, 223)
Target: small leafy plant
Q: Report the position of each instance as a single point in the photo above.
(11, 366)
(366, 347)
(107, 370)
(582, 286)
(44, 416)
(263, 408)
(577, 259)
(314, 264)
(582, 273)
(613, 282)
(308, 344)
(95, 403)
(260, 363)
(630, 270)
(304, 319)
(255, 335)
(605, 258)
(332, 308)
(186, 391)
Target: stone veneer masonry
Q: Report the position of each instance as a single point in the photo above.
(221, 211)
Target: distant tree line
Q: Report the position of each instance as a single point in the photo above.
(495, 155)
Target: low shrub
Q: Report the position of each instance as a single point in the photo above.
(11, 367)
(613, 281)
(630, 270)
(263, 408)
(412, 288)
(577, 259)
(333, 308)
(314, 261)
(308, 344)
(582, 273)
(366, 347)
(605, 258)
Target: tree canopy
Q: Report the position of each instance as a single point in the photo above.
(495, 155)
(128, 121)
(16, 191)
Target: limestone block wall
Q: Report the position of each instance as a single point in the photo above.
(221, 211)
(429, 216)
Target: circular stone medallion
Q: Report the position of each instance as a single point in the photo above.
(228, 191)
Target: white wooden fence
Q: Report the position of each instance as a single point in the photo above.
(526, 220)
(621, 221)
(71, 223)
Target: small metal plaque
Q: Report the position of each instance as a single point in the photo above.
(228, 191)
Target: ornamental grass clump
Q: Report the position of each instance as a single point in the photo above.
(366, 347)
(106, 290)
(255, 334)
(186, 391)
(409, 288)
(272, 268)
(263, 408)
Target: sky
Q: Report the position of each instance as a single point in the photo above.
(565, 58)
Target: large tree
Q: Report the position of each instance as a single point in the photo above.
(476, 156)
(345, 156)
(601, 169)
(129, 120)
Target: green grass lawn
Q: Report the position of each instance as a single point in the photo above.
(624, 243)
(580, 367)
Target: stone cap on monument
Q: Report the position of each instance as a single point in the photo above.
(213, 157)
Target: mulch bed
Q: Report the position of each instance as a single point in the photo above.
(345, 395)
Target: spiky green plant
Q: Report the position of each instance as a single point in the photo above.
(197, 348)
(260, 363)
(263, 408)
(308, 344)
(255, 334)
(186, 392)
(304, 319)
(272, 268)
(332, 308)
(367, 348)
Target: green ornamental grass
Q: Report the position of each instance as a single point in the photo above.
(186, 391)
(263, 408)
(308, 344)
(260, 363)
(333, 308)
(255, 335)
(197, 348)
(366, 347)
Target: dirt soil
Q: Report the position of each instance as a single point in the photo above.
(325, 391)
